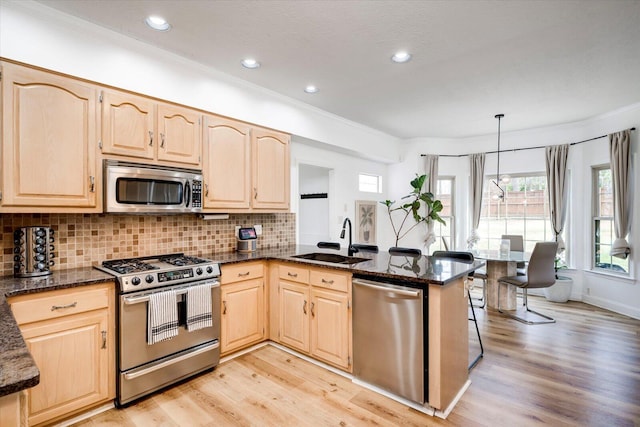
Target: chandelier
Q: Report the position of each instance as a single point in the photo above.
(505, 178)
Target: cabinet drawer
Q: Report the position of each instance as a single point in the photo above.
(329, 280)
(54, 304)
(243, 271)
(293, 273)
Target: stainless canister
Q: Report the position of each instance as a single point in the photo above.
(33, 251)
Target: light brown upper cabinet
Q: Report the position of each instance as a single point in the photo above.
(227, 164)
(147, 131)
(49, 139)
(245, 168)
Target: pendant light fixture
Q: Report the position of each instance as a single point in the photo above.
(498, 180)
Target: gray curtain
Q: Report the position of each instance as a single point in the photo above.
(619, 150)
(475, 195)
(431, 169)
(556, 157)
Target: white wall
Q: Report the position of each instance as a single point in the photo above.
(38, 35)
(343, 186)
(612, 292)
(313, 214)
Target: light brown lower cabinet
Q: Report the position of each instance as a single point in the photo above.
(243, 311)
(70, 336)
(314, 313)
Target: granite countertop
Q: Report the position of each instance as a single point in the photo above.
(416, 272)
(18, 370)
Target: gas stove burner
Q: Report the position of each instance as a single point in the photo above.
(181, 260)
(128, 266)
(134, 274)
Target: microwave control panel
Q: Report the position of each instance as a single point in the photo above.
(196, 194)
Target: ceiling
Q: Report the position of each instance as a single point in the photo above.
(539, 62)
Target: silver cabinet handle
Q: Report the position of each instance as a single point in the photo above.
(255, 193)
(150, 138)
(244, 274)
(206, 190)
(304, 307)
(132, 375)
(328, 282)
(92, 184)
(312, 313)
(224, 309)
(290, 274)
(62, 307)
(104, 340)
(162, 140)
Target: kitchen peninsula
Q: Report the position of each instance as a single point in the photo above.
(443, 281)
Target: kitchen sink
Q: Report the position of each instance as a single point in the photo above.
(332, 258)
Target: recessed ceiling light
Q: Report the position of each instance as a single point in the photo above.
(157, 23)
(250, 63)
(401, 57)
(311, 89)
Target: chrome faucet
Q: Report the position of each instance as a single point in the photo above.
(350, 249)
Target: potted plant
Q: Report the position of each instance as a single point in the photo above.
(560, 291)
(412, 208)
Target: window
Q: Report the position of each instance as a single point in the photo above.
(603, 230)
(524, 211)
(370, 183)
(444, 193)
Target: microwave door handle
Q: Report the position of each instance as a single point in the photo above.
(187, 194)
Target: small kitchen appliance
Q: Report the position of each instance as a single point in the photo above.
(247, 238)
(33, 251)
(142, 367)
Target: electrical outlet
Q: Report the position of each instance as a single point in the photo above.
(588, 291)
(238, 227)
(258, 228)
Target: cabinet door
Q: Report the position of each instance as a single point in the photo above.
(128, 125)
(330, 326)
(226, 164)
(294, 315)
(270, 152)
(243, 314)
(49, 140)
(179, 135)
(72, 356)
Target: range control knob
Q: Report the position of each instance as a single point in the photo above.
(135, 281)
(209, 270)
(149, 278)
(199, 271)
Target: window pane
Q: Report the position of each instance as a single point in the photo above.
(370, 183)
(524, 211)
(603, 225)
(444, 193)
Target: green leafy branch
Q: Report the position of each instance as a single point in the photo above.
(411, 208)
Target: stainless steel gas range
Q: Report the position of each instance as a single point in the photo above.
(143, 367)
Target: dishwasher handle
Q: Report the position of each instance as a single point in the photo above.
(382, 287)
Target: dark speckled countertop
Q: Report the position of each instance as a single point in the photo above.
(416, 272)
(18, 370)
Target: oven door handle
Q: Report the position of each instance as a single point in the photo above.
(145, 297)
(132, 375)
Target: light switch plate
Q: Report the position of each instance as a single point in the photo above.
(238, 227)
(258, 228)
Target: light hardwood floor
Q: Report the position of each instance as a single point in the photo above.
(583, 370)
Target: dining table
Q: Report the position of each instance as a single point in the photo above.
(500, 264)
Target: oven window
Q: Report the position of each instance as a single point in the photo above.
(137, 191)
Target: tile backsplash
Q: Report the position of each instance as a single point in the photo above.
(84, 239)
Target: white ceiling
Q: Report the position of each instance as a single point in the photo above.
(539, 62)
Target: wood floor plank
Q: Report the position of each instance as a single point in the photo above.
(583, 370)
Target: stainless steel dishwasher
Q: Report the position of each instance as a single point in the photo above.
(388, 338)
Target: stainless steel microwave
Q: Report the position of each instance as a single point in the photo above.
(142, 189)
